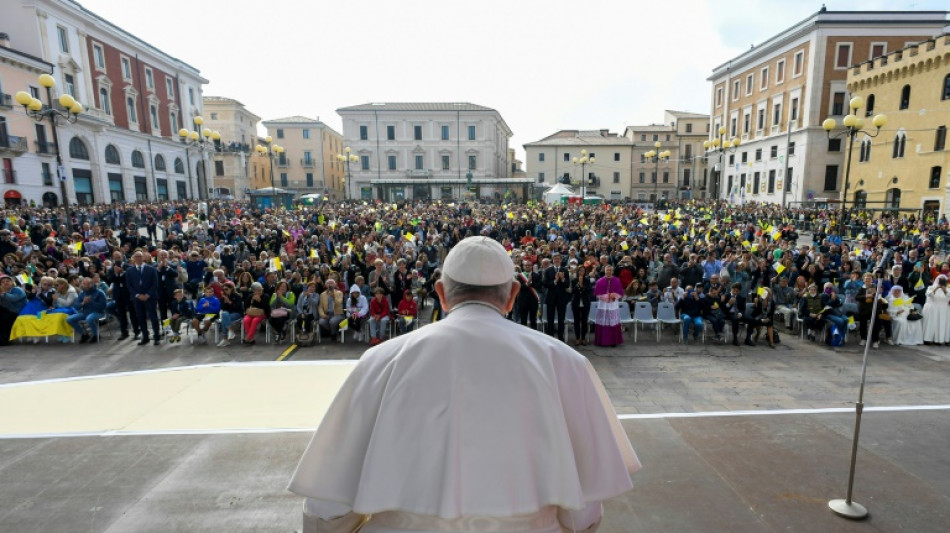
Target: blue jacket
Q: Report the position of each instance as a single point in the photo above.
(97, 302)
(13, 300)
(208, 306)
(144, 283)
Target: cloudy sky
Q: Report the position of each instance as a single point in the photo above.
(544, 65)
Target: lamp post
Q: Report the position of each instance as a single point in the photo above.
(206, 141)
(853, 125)
(35, 109)
(583, 161)
(657, 155)
(269, 150)
(720, 144)
(347, 158)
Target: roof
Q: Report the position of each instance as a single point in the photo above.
(296, 119)
(687, 114)
(652, 127)
(582, 137)
(416, 106)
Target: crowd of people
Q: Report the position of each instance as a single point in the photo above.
(230, 270)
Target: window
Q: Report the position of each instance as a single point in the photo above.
(149, 78)
(760, 121)
(126, 68)
(736, 86)
(843, 56)
(834, 145)
(471, 133)
(791, 148)
(70, 84)
(935, 173)
(115, 188)
(283, 179)
(837, 103)
(869, 105)
(364, 162)
(864, 154)
(364, 133)
(112, 155)
(391, 133)
(305, 133)
(780, 71)
(905, 97)
(99, 56)
(169, 88)
(153, 111)
(749, 84)
(416, 133)
(541, 156)
(689, 129)
(179, 166)
(141, 188)
(667, 136)
(392, 162)
(104, 103)
(642, 177)
(946, 88)
(567, 157)
(77, 149)
(666, 176)
(447, 162)
(616, 177)
(771, 188)
(733, 124)
(745, 157)
(793, 115)
(798, 64)
(472, 162)
(878, 49)
(191, 95)
(755, 183)
(940, 139)
(773, 151)
(777, 114)
(130, 109)
(420, 162)
(540, 177)
(686, 175)
(899, 141)
(445, 132)
(758, 154)
(161, 187)
(219, 168)
(764, 78)
(280, 133)
(137, 160)
(732, 159)
(892, 198)
(309, 177)
(643, 137)
(160, 163)
(63, 39)
(718, 96)
(173, 120)
(831, 177)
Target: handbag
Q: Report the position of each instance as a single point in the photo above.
(884, 316)
(914, 315)
(280, 312)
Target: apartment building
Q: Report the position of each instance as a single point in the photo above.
(684, 174)
(427, 151)
(551, 161)
(907, 164)
(775, 96)
(238, 128)
(309, 163)
(125, 145)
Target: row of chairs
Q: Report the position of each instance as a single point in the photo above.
(642, 317)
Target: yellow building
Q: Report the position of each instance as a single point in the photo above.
(309, 163)
(260, 168)
(907, 164)
(231, 165)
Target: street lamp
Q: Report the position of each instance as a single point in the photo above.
(853, 124)
(269, 150)
(720, 144)
(657, 155)
(206, 141)
(35, 109)
(347, 158)
(583, 161)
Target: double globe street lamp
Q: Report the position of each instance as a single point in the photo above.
(853, 125)
(268, 151)
(583, 161)
(206, 141)
(347, 157)
(720, 145)
(35, 109)
(657, 155)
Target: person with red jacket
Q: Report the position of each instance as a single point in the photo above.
(379, 314)
(408, 310)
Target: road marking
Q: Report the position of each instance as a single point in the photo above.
(818, 411)
(288, 352)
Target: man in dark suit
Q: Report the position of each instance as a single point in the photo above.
(556, 280)
(142, 281)
(122, 302)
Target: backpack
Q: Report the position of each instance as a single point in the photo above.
(836, 338)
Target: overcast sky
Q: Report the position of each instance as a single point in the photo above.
(545, 65)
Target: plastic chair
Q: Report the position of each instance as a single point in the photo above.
(569, 320)
(642, 314)
(666, 314)
(593, 310)
(292, 324)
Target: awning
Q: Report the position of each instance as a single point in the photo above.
(12, 195)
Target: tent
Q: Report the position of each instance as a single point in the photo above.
(554, 194)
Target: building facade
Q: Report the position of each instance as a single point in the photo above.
(238, 128)
(551, 161)
(309, 164)
(124, 147)
(774, 97)
(685, 173)
(907, 164)
(428, 151)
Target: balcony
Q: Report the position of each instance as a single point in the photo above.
(418, 174)
(593, 183)
(9, 176)
(6, 101)
(282, 164)
(306, 163)
(10, 143)
(45, 147)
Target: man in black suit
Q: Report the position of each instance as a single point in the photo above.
(142, 281)
(733, 304)
(123, 308)
(556, 280)
(528, 297)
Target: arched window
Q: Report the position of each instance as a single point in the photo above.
(112, 155)
(899, 141)
(893, 198)
(104, 101)
(905, 97)
(865, 154)
(946, 88)
(861, 199)
(869, 105)
(130, 107)
(159, 162)
(179, 166)
(137, 160)
(77, 149)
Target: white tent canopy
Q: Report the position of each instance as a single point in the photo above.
(554, 194)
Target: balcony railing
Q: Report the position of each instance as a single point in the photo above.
(14, 144)
(306, 163)
(6, 100)
(45, 147)
(9, 176)
(283, 164)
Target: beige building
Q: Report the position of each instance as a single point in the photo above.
(308, 164)
(907, 165)
(260, 174)
(775, 96)
(685, 173)
(551, 161)
(238, 128)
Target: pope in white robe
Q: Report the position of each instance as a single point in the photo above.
(474, 423)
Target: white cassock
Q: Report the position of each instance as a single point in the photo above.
(473, 423)
(936, 313)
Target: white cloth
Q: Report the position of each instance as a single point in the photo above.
(936, 312)
(450, 422)
(905, 332)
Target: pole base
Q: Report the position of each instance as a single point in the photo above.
(851, 511)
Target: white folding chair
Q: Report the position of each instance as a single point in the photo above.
(642, 314)
(666, 314)
(569, 321)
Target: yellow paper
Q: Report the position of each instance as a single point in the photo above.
(776, 235)
(624, 245)
(344, 323)
(899, 302)
(408, 319)
(919, 285)
(746, 243)
(313, 253)
(409, 237)
(760, 291)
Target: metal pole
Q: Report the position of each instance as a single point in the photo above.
(788, 162)
(273, 189)
(59, 156)
(846, 507)
(847, 177)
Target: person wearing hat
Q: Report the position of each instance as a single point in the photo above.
(471, 420)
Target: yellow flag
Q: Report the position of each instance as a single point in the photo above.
(623, 232)
(760, 291)
(776, 235)
(24, 278)
(899, 302)
(275, 264)
(77, 246)
(344, 323)
(408, 319)
(666, 217)
(779, 268)
(409, 237)
(313, 253)
(737, 233)
(644, 221)
(746, 243)
(511, 215)
(919, 285)
(624, 245)
(286, 233)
